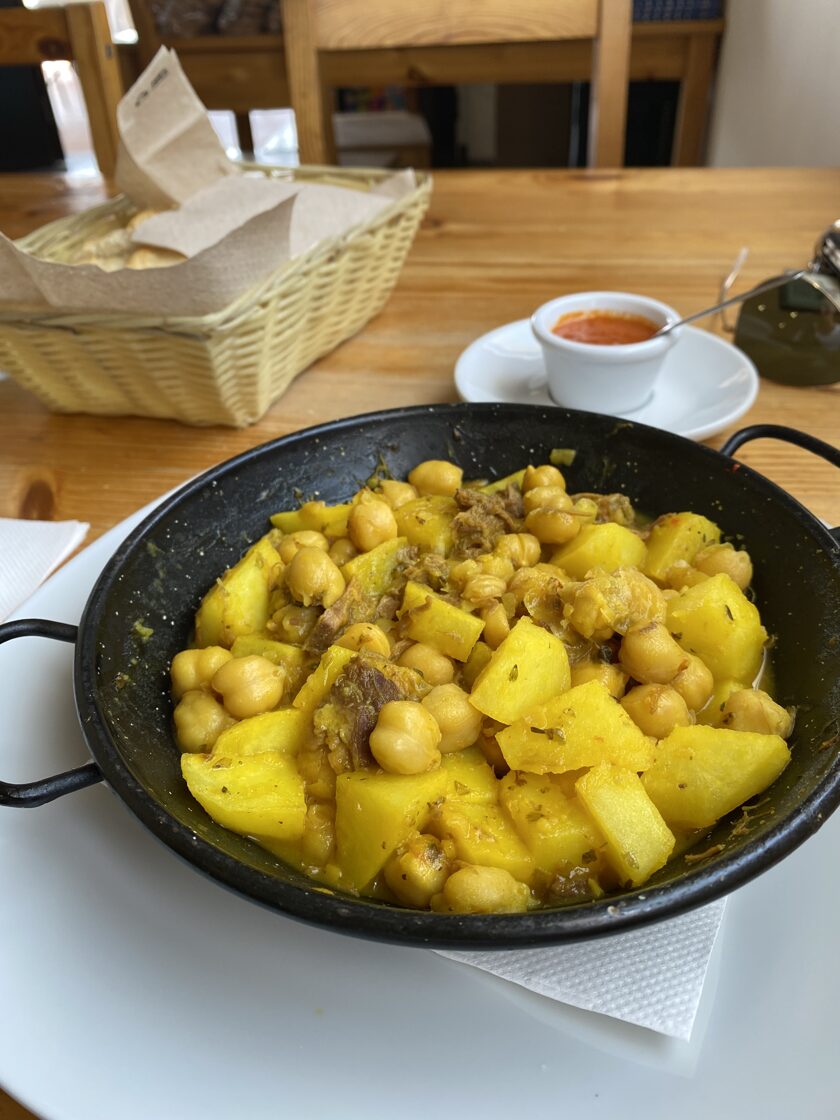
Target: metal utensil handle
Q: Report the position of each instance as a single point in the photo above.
(765, 286)
(787, 435)
(29, 794)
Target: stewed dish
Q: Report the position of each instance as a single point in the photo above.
(480, 696)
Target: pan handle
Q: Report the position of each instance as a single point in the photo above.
(29, 794)
(787, 435)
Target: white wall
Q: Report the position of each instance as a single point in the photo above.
(777, 100)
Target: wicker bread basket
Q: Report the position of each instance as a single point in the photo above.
(222, 368)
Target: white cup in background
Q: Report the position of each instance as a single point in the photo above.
(598, 378)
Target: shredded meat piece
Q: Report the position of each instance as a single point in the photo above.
(430, 569)
(345, 722)
(612, 507)
(351, 606)
(484, 518)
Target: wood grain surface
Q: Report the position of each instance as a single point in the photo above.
(494, 246)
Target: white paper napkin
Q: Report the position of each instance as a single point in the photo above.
(651, 977)
(29, 552)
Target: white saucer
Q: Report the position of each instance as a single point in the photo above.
(706, 384)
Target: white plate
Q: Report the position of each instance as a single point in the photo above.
(706, 384)
(135, 988)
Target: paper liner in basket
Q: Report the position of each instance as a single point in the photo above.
(233, 227)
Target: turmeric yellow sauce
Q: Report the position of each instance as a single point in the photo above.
(478, 698)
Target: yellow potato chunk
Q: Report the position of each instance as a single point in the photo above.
(701, 773)
(529, 667)
(315, 516)
(677, 536)
(514, 479)
(717, 621)
(256, 795)
(427, 522)
(582, 727)
(238, 603)
(478, 659)
(428, 618)
(375, 814)
(638, 840)
(470, 777)
(317, 685)
(483, 835)
(284, 732)
(374, 570)
(557, 831)
(608, 546)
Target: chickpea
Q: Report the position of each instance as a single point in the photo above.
(544, 475)
(371, 522)
(650, 655)
(293, 624)
(434, 667)
(682, 574)
(751, 709)
(694, 683)
(318, 841)
(366, 636)
(496, 625)
(458, 720)
(612, 676)
(498, 566)
(482, 890)
(656, 709)
(552, 526)
(482, 589)
(735, 563)
(418, 872)
(249, 685)
(396, 494)
(436, 476)
(304, 538)
(199, 721)
(460, 574)
(547, 497)
(540, 577)
(191, 668)
(586, 510)
(405, 739)
(341, 551)
(313, 578)
(522, 549)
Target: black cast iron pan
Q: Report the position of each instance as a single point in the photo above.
(159, 574)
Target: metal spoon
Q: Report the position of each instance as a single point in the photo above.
(826, 263)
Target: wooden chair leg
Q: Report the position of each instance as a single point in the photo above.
(99, 74)
(243, 133)
(610, 78)
(314, 129)
(693, 106)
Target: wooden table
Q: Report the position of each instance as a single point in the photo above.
(494, 246)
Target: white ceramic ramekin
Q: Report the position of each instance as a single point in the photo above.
(611, 379)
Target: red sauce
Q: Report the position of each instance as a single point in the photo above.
(604, 328)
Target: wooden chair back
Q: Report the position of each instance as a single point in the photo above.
(313, 28)
(80, 34)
